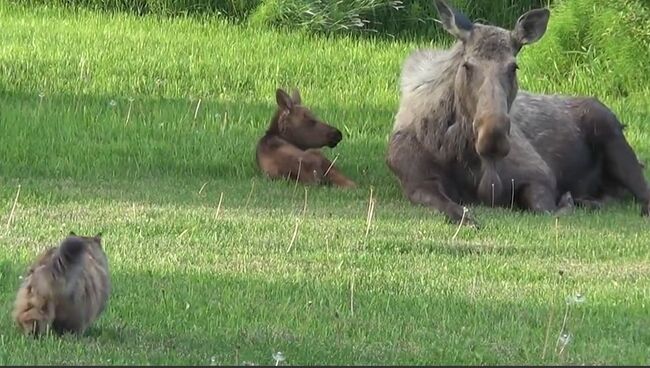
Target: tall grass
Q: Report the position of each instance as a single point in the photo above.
(144, 128)
(235, 9)
(595, 46)
(385, 18)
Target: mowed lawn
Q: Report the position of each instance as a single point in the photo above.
(144, 129)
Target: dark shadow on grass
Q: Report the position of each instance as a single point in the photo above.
(448, 247)
(54, 137)
(163, 155)
(462, 249)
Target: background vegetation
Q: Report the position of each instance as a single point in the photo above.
(385, 17)
(143, 126)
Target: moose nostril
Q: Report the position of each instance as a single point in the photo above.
(337, 135)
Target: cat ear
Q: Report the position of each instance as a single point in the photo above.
(98, 238)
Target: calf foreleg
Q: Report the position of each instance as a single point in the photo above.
(334, 175)
(325, 170)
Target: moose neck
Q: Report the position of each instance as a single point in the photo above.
(448, 130)
(274, 126)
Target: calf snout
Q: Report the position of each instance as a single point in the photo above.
(334, 137)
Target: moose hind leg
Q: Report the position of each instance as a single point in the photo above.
(622, 164)
(620, 161)
(539, 198)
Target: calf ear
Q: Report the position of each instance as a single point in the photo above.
(283, 99)
(531, 26)
(295, 96)
(454, 21)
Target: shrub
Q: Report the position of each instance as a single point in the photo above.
(401, 18)
(386, 17)
(320, 15)
(595, 45)
(417, 18)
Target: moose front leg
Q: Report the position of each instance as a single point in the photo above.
(538, 197)
(422, 179)
(431, 193)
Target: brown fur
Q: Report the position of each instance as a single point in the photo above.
(465, 133)
(65, 289)
(290, 147)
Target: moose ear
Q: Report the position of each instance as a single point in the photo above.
(454, 21)
(531, 26)
(283, 99)
(295, 96)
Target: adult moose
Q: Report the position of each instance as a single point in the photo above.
(464, 133)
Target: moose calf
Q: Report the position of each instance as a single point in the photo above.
(290, 147)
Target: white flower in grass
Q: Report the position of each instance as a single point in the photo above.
(112, 103)
(213, 360)
(577, 298)
(279, 357)
(564, 340)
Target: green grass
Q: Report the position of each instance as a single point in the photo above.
(195, 285)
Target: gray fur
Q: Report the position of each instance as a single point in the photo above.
(458, 138)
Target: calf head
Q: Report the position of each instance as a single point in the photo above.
(300, 126)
